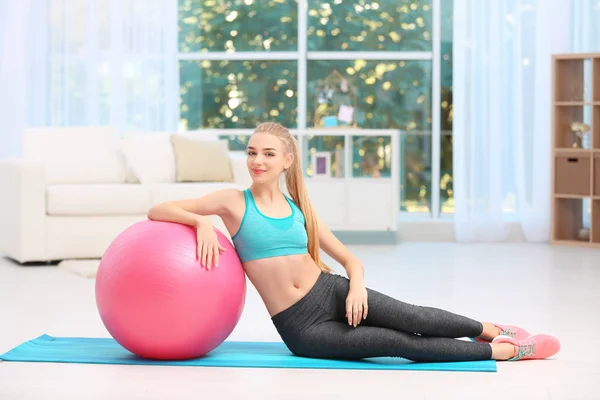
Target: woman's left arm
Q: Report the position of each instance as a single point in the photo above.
(340, 253)
(356, 302)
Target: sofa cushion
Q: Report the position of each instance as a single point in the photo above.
(201, 160)
(98, 199)
(149, 155)
(161, 192)
(76, 154)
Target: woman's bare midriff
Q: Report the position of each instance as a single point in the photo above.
(282, 281)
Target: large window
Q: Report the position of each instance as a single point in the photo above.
(238, 25)
(385, 25)
(242, 62)
(446, 193)
(234, 94)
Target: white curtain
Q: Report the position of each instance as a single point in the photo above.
(585, 26)
(92, 62)
(501, 115)
(3, 15)
(18, 30)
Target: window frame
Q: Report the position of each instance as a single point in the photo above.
(302, 56)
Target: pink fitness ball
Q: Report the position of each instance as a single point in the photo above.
(158, 302)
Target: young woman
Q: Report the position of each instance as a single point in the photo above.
(317, 313)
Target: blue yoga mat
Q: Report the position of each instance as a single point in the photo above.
(229, 354)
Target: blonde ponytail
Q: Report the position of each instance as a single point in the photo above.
(294, 181)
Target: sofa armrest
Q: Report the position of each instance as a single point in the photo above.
(22, 210)
(241, 176)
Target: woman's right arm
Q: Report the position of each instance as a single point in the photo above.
(194, 212)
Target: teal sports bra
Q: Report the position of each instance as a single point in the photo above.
(260, 236)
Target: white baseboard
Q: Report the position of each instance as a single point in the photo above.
(425, 231)
(443, 231)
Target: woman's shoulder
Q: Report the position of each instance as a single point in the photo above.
(231, 194)
(232, 198)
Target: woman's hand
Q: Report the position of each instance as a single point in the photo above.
(357, 307)
(208, 245)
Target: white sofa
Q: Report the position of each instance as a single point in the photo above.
(75, 189)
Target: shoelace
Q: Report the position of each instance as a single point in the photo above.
(508, 332)
(525, 349)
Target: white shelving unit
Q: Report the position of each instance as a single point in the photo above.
(357, 204)
(349, 203)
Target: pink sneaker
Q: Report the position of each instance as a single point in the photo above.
(535, 347)
(507, 330)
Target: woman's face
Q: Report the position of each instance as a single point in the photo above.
(267, 157)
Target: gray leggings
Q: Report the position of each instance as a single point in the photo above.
(316, 327)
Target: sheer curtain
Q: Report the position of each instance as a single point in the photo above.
(18, 31)
(502, 98)
(93, 62)
(585, 26)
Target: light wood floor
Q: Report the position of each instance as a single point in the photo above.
(544, 289)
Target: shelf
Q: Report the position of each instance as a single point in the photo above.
(596, 127)
(596, 175)
(575, 196)
(595, 231)
(574, 103)
(575, 243)
(570, 196)
(575, 56)
(596, 80)
(569, 81)
(568, 219)
(574, 150)
(564, 117)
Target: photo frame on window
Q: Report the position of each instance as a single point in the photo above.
(321, 165)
